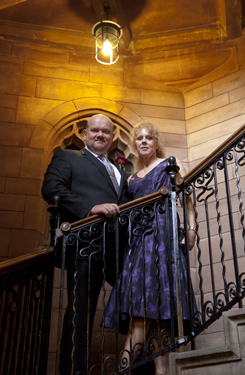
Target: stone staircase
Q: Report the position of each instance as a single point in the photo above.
(224, 360)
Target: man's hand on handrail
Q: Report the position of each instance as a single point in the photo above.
(110, 210)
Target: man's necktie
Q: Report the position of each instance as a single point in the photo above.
(110, 171)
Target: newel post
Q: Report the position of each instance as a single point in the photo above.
(172, 169)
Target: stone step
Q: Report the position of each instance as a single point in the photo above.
(225, 360)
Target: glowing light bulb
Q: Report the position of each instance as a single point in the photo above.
(107, 47)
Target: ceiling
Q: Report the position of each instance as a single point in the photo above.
(150, 28)
(148, 25)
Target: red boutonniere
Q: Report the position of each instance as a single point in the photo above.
(121, 161)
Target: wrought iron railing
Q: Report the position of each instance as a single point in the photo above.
(26, 285)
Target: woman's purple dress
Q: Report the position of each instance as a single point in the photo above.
(155, 294)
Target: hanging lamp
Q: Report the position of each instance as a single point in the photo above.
(107, 34)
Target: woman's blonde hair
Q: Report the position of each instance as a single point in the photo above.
(152, 129)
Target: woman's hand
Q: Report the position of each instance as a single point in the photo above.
(191, 239)
(190, 211)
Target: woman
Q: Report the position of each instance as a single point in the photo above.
(150, 177)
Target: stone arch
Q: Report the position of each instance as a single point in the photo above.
(71, 132)
(62, 122)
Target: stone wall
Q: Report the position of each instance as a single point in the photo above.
(213, 112)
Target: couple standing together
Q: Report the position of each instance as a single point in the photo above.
(88, 186)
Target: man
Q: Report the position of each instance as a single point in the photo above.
(87, 186)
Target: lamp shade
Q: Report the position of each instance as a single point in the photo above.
(107, 35)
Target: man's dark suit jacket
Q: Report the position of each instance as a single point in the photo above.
(82, 182)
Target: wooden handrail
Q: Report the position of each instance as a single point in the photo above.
(24, 260)
(66, 227)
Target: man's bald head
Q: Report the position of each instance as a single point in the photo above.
(99, 134)
(99, 118)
